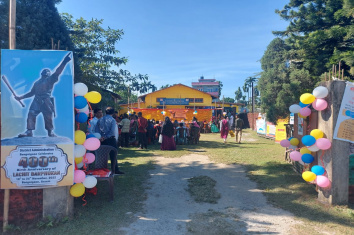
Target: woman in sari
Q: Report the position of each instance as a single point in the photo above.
(224, 129)
(168, 142)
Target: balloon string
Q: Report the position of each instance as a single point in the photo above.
(322, 162)
(83, 198)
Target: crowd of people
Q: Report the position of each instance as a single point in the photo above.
(135, 130)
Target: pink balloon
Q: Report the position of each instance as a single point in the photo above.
(92, 144)
(319, 104)
(79, 176)
(305, 112)
(89, 158)
(295, 156)
(322, 181)
(323, 143)
(285, 143)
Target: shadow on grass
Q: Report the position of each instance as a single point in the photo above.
(286, 189)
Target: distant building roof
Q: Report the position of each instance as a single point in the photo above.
(213, 96)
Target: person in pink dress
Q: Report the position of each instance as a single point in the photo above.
(224, 129)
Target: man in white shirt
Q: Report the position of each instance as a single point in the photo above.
(98, 114)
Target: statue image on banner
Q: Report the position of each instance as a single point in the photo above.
(32, 76)
(37, 118)
(43, 102)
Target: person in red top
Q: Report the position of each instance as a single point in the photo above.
(142, 125)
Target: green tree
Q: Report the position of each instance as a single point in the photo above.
(98, 58)
(37, 24)
(280, 83)
(320, 34)
(238, 94)
(220, 87)
(229, 100)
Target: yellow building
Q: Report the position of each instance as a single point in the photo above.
(177, 101)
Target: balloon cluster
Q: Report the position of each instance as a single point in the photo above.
(195, 112)
(316, 99)
(83, 143)
(82, 97)
(163, 113)
(313, 142)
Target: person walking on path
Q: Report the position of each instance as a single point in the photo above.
(125, 130)
(238, 128)
(106, 126)
(142, 125)
(224, 129)
(168, 142)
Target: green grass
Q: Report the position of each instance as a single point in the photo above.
(263, 160)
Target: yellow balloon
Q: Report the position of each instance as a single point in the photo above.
(316, 133)
(78, 160)
(307, 98)
(309, 176)
(80, 137)
(77, 190)
(305, 150)
(294, 141)
(93, 97)
(301, 115)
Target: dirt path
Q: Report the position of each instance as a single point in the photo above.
(242, 208)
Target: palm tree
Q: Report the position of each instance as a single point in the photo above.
(245, 89)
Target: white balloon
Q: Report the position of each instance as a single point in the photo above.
(295, 108)
(97, 135)
(80, 165)
(79, 150)
(320, 92)
(83, 109)
(301, 162)
(90, 182)
(313, 148)
(80, 89)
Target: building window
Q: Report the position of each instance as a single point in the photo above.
(199, 100)
(191, 100)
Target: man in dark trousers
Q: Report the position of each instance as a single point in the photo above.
(238, 128)
(43, 102)
(142, 125)
(106, 127)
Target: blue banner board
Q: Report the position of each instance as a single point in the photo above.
(168, 101)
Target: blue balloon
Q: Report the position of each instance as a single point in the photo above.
(318, 170)
(302, 105)
(90, 136)
(307, 158)
(80, 102)
(81, 117)
(308, 140)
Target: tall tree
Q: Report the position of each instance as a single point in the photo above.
(280, 83)
(37, 24)
(238, 94)
(98, 57)
(220, 87)
(320, 33)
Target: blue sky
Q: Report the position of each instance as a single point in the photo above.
(179, 41)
